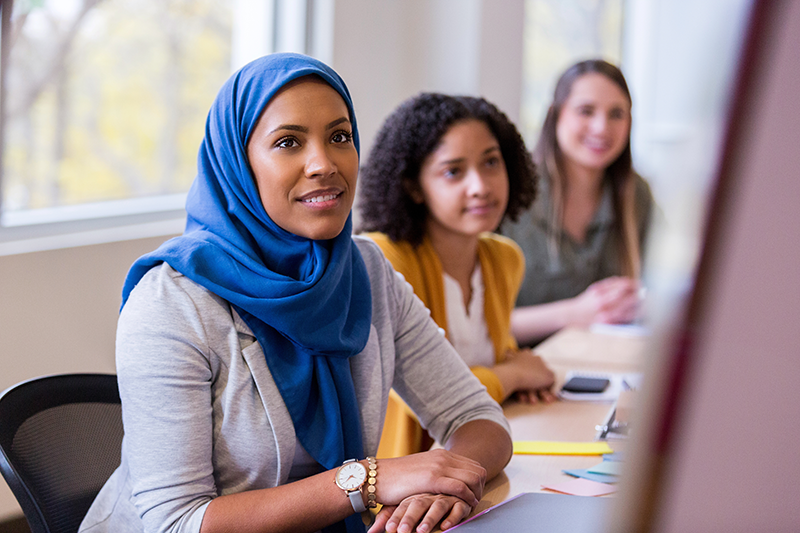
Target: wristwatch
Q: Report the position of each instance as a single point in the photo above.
(350, 477)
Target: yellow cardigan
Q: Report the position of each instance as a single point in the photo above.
(503, 267)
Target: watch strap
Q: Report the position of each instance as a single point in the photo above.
(357, 500)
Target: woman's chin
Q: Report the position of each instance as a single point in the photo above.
(324, 233)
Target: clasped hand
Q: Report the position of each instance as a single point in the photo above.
(526, 376)
(613, 300)
(421, 489)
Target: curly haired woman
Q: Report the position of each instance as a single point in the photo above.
(444, 172)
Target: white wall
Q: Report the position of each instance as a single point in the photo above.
(390, 50)
(58, 308)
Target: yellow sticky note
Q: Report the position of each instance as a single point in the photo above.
(542, 447)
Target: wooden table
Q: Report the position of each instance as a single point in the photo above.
(570, 349)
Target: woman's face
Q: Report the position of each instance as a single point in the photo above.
(594, 124)
(304, 160)
(464, 181)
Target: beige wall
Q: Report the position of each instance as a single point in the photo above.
(58, 313)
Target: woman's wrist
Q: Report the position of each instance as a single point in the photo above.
(508, 376)
(532, 323)
(370, 488)
(571, 312)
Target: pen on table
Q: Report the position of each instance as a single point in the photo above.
(603, 429)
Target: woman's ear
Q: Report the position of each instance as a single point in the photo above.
(413, 190)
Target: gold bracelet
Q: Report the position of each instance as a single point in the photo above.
(372, 498)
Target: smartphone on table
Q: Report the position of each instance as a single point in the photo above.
(586, 384)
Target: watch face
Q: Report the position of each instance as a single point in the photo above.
(351, 476)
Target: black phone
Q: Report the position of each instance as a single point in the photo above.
(585, 384)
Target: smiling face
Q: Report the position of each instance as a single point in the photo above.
(464, 182)
(594, 123)
(304, 160)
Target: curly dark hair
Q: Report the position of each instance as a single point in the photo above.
(408, 136)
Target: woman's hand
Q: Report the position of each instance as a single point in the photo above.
(613, 300)
(534, 396)
(423, 511)
(435, 471)
(525, 375)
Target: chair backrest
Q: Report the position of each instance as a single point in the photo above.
(60, 440)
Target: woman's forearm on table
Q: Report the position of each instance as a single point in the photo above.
(305, 505)
(533, 322)
(484, 441)
(314, 502)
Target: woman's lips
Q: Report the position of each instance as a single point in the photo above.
(482, 209)
(597, 146)
(320, 198)
(323, 199)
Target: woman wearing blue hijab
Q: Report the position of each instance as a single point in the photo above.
(255, 353)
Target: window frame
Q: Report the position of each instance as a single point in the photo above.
(85, 224)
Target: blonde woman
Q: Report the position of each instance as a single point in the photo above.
(583, 236)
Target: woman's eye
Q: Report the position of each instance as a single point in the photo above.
(493, 162)
(341, 137)
(616, 114)
(451, 172)
(287, 142)
(586, 111)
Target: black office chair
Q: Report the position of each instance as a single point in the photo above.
(60, 439)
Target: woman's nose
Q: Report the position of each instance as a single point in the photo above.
(599, 123)
(477, 184)
(319, 163)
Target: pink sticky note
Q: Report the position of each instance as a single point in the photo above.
(581, 487)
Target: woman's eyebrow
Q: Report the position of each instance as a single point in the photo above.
(455, 161)
(337, 122)
(303, 129)
(291, 127)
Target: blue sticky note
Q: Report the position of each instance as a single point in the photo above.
(609, 468)
(616, 456)
(600, 478)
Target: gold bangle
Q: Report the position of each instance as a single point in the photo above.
(372, 498)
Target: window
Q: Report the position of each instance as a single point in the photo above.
(104, 102)
(106, 99)
(559, 33)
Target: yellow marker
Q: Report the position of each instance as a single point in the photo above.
(542, 447)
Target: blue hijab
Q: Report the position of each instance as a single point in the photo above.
(308, 302)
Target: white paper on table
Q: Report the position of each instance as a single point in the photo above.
(620, 330)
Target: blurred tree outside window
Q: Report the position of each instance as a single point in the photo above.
(559, 33)
(107, 99)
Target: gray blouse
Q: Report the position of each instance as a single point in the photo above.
(576, 265)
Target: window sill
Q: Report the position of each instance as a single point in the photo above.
(88, 224)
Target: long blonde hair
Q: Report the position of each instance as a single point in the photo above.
(620, 174)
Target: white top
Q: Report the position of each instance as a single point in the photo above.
(467, 326)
